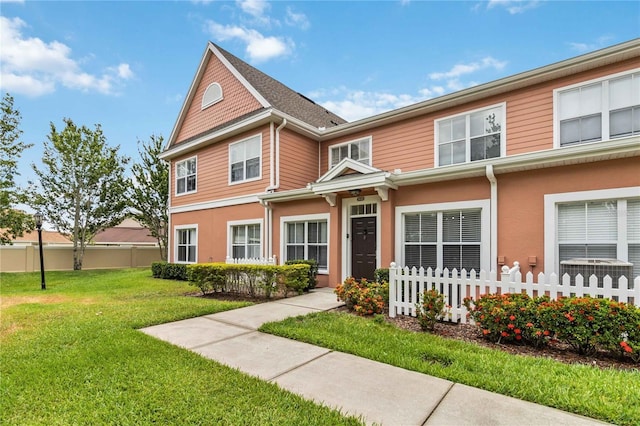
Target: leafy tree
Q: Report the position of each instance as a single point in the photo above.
(82, 185)
(13, 222)
(149, 191)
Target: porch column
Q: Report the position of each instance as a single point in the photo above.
(387, 228)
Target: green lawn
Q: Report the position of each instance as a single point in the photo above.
(609, 395)
(72, 355)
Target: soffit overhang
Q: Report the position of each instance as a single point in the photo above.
(558, 157)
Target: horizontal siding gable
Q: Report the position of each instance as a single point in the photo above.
(237, 101)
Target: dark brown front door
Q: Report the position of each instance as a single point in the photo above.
(363, 247)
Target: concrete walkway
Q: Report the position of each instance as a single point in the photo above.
(378, 392)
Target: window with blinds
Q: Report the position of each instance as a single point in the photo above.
(600, 230)
(444, 239)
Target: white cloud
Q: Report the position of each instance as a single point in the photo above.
(462, 69)
(255, 8)
(259, 48)
(586, 47)
(298, 20)
(356, 104)
(33, 67)
(514, 6)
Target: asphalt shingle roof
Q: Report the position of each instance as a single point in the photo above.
(283, 98)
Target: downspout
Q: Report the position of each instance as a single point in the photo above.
(272, 154)
(273, 186)
(170, 253)
(494, 217)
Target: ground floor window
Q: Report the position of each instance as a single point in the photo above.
(599, 229)
(186, 245)
(246, 241)
(443, 239)
(307, 240)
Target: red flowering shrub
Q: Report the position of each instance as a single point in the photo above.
(506, 318)
(623, 334)
(578, 321)
(586, 324)
(363, 297)
(430, 309)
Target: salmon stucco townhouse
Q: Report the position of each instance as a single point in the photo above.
(542, 168)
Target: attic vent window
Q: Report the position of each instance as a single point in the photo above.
(212, 95)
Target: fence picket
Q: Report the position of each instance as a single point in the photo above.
(406, 287)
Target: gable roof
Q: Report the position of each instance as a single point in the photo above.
(269, 92)
(124, 235)
(282, 97)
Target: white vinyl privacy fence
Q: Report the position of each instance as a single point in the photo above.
(406, 286)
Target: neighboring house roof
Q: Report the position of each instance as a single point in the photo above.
(48, 237)
(124, 235)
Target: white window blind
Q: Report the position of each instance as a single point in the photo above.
(447, 239)
(588, 230)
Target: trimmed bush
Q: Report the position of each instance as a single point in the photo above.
(313, 271)
(169, 271)
(252, 280)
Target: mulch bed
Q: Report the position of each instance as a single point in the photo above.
(554, 350)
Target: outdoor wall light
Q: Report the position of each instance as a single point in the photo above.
(38, 219)
(354, 192)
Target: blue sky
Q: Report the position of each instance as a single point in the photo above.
(128, 65)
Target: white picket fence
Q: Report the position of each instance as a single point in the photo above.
(252, 261)
(407, 285)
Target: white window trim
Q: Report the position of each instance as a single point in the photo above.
(503, 135)
(213, 102)
(304, 218)
(175, 171)
(485, 228)
(369, 139)
(259, 136)
(175, 247)
(232, 223)
(551, 217)
(604, 105)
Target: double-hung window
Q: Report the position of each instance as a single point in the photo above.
(244, 160)
(473, 136)
(598, 110)
(444, 239)
(186, 176)
(359, 150)
(307, 240)
(186, 244)
(246, 241)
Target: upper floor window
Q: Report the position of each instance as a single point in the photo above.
(244, 160)
(359, 150)
(601, 110)
(186, 176)
(473, 136)
(212, 95)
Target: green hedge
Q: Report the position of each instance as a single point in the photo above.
(169, 271)
(252, 280)
(313, 270)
